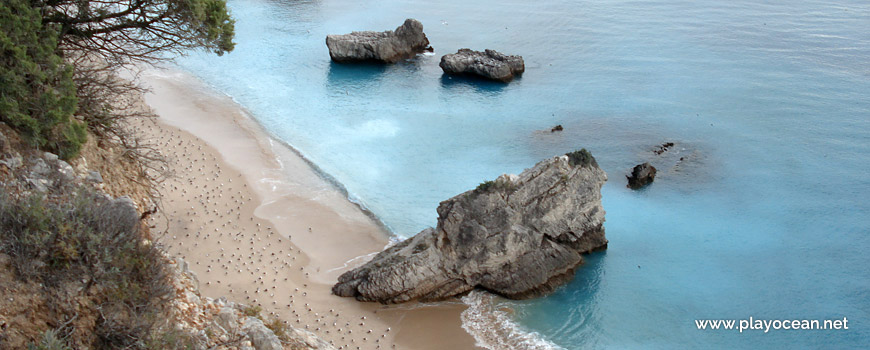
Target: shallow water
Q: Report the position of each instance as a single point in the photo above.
(769, 105)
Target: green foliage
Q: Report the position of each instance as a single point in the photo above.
(170, 339)
(212, 21)
(105, 28)
(50, 341)
(484, 186)
(281, 330)
(86, 237)
(252, 311)
(37, 93)
(581, 158)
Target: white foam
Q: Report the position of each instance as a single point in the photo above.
(494, 329)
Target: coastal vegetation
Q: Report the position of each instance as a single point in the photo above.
(79, 263)
(93, 245)
(581, 158)
(61, 58)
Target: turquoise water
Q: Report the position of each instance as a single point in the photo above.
(768, 215)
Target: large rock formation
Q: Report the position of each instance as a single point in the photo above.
(519, 236)
(490, 64)
(389, 46)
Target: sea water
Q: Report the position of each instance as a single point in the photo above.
(768, 104)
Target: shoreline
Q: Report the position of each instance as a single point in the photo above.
(300, 230)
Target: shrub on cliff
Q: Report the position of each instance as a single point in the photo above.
(93, 245)
(37, 93)
(581, 158)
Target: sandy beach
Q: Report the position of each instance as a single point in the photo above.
(258, 225)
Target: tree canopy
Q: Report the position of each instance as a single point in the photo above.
(58, 69)
(37, 93)
(122, 30)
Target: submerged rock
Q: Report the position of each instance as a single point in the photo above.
(489, 64)
(388, 46)
(641, 175)
(519, 236)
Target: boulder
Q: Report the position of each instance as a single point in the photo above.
(261, 337)
(65, 170)
(519, 236)
(489, 64)
(227, 318)
(39, 167)
(641, 175)
(389, 46)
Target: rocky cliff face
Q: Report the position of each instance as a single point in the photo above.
(489, 64)
(519, 236)
(388, 47)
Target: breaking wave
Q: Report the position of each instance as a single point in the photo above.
(494, 329)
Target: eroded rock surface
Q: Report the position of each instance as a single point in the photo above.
(388, 46)
(641, 175)
(519, 236)
(489, 64)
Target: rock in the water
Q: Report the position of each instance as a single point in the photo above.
(663, 148)
(389, 46)
(641, 175)
(557, 128)
(519, 236)
(489, 64)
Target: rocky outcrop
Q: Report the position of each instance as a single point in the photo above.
(261, 337)
(641, 175)
(224, 325)
(489, 64)
(388, 47)
(519, 236)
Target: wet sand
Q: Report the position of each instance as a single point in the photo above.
(258, 225)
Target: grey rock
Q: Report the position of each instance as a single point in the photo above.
(489, 64)
(519, 236)
(40, 185)
(388, 46)
(5, 147)
(66, 170)
(309, 339)
(94, 176)
(227, 318)
(49, 156)
(13, 162)
(126, 200)
(261, 336)
(40, 167)
(641, 175)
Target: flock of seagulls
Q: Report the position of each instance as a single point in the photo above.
(209, 214)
